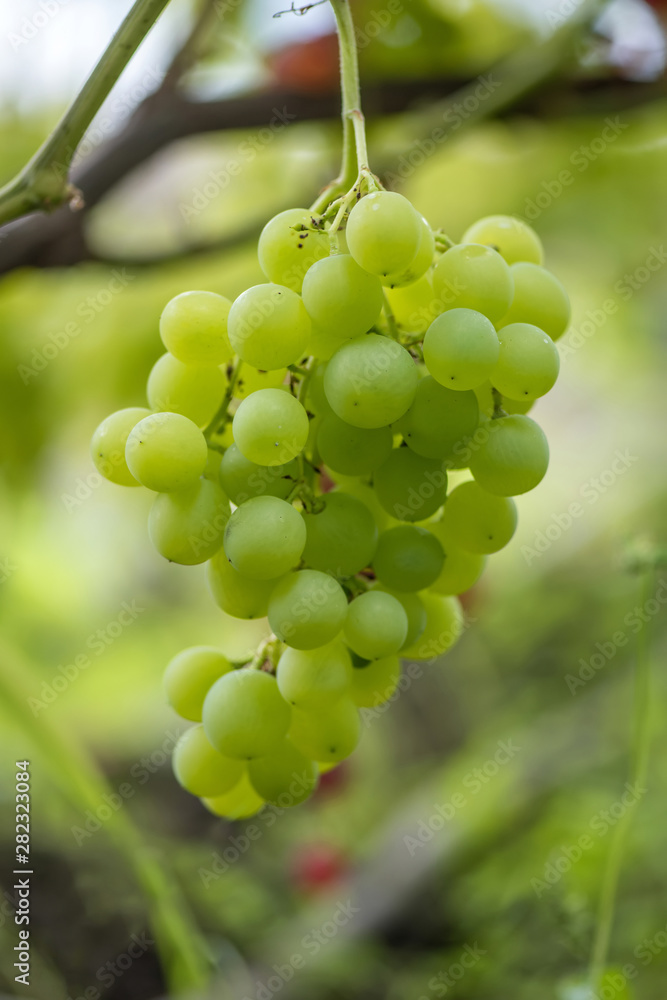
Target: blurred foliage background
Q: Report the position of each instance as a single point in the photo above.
(429, 844)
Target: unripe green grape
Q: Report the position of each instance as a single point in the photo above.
(239, 803)
(518, 405)
(307, 609)
(383, 233)
(264, 538)
(414, 610)
(444, 625)
(513, 457)
(200, 769)
(329, 735)
(350, 450)
(539, 299)
(513, 239)
(414, 306)
(269, 327)
(286, 249)
(195, 391)
(409, 487)
(421, 262)
(212, 467)
(371, 381)
(440, 420)
(323, 344)
(188, 677)
(472, 276)
(341, 537)
(245, 715)
(461, 348)
(375, 682)
(485, 398)
(369, 498)
(193, 327)
(166, 452)
(107, 445)
(528, 363)
(316, 399)
(408, 558)
(314, 678)
(237, 595)
(478, 521)
(242, 479)
(187, 526)
(376, 625)
(285, 778)
(251, 379)
(270, 427)
(342, 300)
(461, 569)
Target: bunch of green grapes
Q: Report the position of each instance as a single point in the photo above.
(299, 440)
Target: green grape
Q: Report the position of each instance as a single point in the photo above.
(236, 595)
(439, 420)
(329, 735)
(371, 381)
(408, 558)
(270, 427)
(461, 348)
(383, 233)
(414, 306)
(375, 682)
(461, 570)
(350, 450)
(539, 299)
(245, 715)
(477, 521)
(286, 249)
(166, 452)
(409, 487)
(485, 398)
(314, 678)
(307, 609)
(528, 362)
(107, 445)
(212, 467)
(200, 769)
(269, 327)
(518, 405)
(316, 399)
(444, 625)
(421, 262)
(376, 625)
(187, 526)
(193, 327)
(251, 379)
(264, 538)
(414, 609)
(341, 537)
(195, 391)
(239, 803)
(286, 777)
(513, 239)
(472, 276)
(242, 479)
(188, 677)
(362, 491)
(323, 344)
(342, 299)
(512, 458)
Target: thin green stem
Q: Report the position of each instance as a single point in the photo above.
(221, 414)
(391, 319)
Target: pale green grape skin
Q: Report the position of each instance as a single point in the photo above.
(285, 778)
(166, 452)
(269, 327)
(371, 381)
(439, 420)
(367, 495)
(307, 609)
(316, 399)
(245, 715)
(414, 610)
(323, 344)
(421, 262)
(195, 391)
(444, 625)
(409, 487)
(414, 306)
(383, 233)
(461, 569)
(478, 521)
(539, 299)
(408, 558)
(472, 276)
(487, 403)
(528, 363)
(212, 467)
(251, 379)
(187, 526)
(193, 327)
(352, 451)
(188, 677)
(461, 349)
(242, 479)
(314, 678)
(270, 427)
(376, 682)
(264, 538)
(518, 405)
(341, 537)
(376, 625)
(285, 251)
(200, 769)
(513, 458)
(241, 802)
(512, 238)
(327, 736)
(234, 594)
(342, 300)
(107, 445)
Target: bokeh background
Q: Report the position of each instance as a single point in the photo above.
(434, 862)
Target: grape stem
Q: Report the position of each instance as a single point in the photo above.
(216, 423)
(498, 410)
(389, 316)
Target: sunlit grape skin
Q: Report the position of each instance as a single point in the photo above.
(200, 768)
(195, 391)
(383, 233)
(107, 446)
(264, 538)
(371, 381)
(270, 427)
(269, 326)
(193, 327)
(188, 677)
(244, 714)
(528, 362)
(461, 349)
(342, 300)
(513, 457)
(165, 452)
(512, 238)
(539, 299)
(472, 276)
(289, 245)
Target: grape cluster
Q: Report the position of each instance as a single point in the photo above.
(299, 440)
